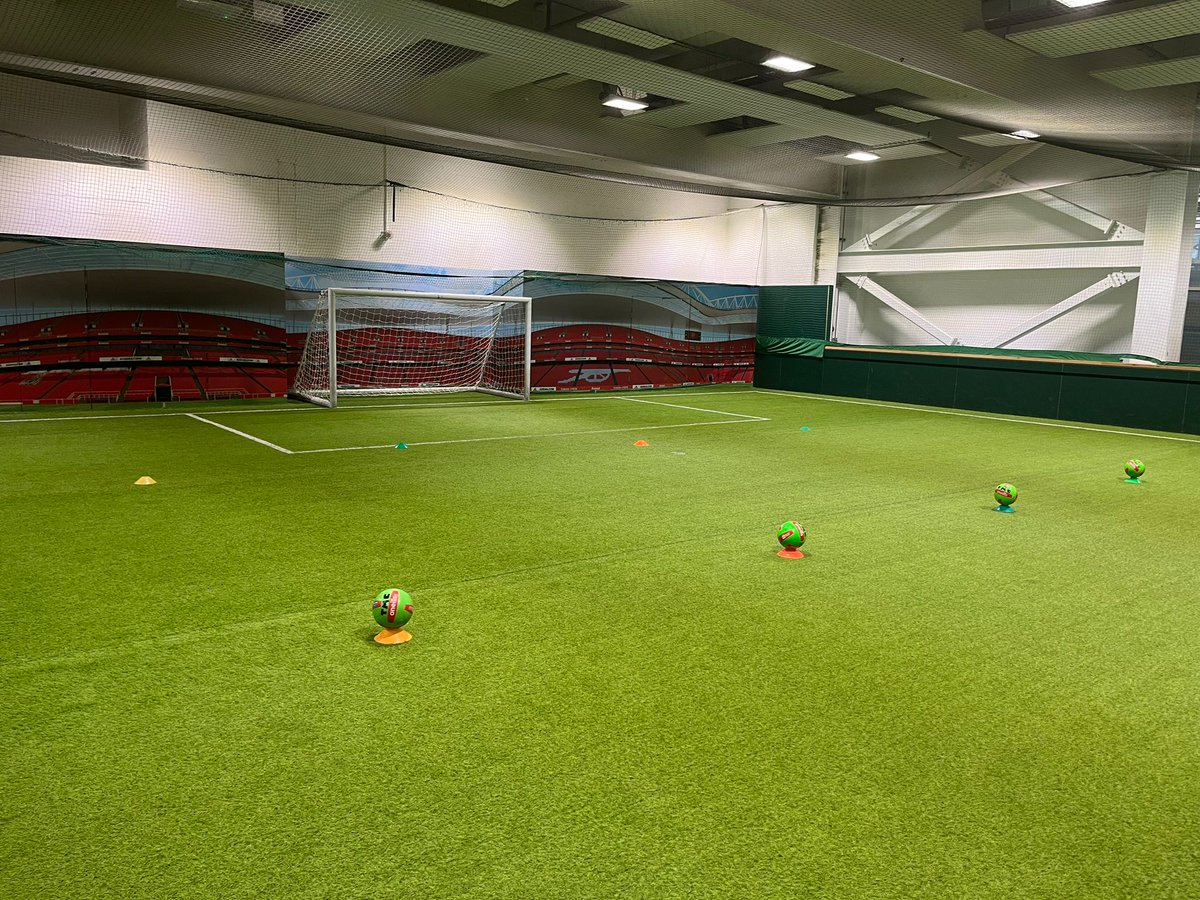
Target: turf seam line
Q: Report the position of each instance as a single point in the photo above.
(527, 437)
(718, 412)
(241, 434)
(966, 415)
(70, 657)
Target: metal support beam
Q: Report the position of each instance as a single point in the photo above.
(1107, 255)
(1111, 228)
(1046, 316)
(1166, 266)
(926, 214)
(888, 298)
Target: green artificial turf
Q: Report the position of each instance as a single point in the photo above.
(615, 690)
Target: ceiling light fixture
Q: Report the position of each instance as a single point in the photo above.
(626, 100)
(863, 156)
(628, 104)
(781, 63)
(1079, 4)
(1025, 134)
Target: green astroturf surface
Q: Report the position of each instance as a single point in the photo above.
(615, 690)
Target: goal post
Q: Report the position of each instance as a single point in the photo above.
(370, 343)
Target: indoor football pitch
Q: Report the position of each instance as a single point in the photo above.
(615, 688)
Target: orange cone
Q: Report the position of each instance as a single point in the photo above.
(393, 636)
(641, 443)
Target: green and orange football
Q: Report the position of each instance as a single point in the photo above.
(1006, 494)
(791, 535)
(392, 608)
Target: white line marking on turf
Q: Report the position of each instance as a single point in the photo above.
(305, 407)
(526, 437)
(243, 434)
(4, 421)
(498, 403)
(716, 412)
(965, 415)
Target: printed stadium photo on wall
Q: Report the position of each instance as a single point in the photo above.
(96, 322)
(589, 333)
(602, 334)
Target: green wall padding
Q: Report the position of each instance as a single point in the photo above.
(795, 312)
(1157, 398)
(993, 351)
(791, 346)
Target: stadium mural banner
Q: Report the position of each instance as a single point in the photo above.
(589, 332)
(102, 322)
(97, 322)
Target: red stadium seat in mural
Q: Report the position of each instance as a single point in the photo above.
(139, 355)
(165, 355)
(81, 386)
(159, 322)
(577, 357)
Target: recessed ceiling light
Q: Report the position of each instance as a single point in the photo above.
(1026, 134)
(782, 63)
(1078, 4)
(863, 156)
(629, 104)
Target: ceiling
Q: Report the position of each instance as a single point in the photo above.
(519, 81)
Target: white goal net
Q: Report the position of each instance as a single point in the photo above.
(385, 343)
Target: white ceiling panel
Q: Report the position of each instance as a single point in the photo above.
(909, 151)
(681, 115)
(492, 74)
(819, 90)
(1119, 29)
(765, 134)
(619, 31)
(908, 115)
(1158, 74)
(991, 139)
(560, 81)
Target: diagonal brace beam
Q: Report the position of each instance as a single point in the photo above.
(1046, 316)
(1111, 228)
(881, 293)
(926, 214)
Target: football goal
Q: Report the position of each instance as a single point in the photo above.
(365, 343)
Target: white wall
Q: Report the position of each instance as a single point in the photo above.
(306, 194)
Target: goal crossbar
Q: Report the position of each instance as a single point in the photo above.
(364, 342)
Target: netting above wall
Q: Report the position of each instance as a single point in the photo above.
(48, 121)
(517, 83)
(223, 182)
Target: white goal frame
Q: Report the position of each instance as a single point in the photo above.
(330, 297)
